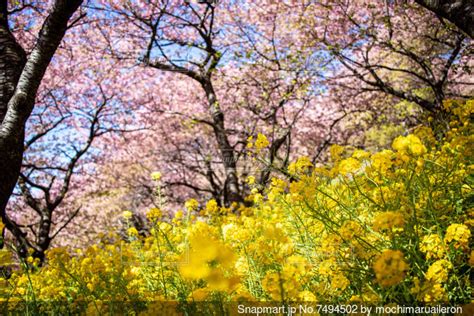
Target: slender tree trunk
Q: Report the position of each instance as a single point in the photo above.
(231, 189)
(43, 240)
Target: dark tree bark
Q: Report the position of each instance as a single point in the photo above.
(12, 61)
(19, 82)
(459, 12)
(203, 75)
(231, 186)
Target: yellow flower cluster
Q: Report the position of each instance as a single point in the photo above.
(390, 226)
(154, 214)
(260, 143)
(192, 204)
(301, 165)
(390, 267)
(458, 235)
(388, 221)
(155, 176)
(432, 246)
(410, 144)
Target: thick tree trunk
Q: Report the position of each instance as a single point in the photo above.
(20, 103)
(231, 189)
(12, 61)
(459, 12)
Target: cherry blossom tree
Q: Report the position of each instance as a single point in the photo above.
(251, 55)
(208, 43)
(37, 183)
(20, 79)
(399, 50)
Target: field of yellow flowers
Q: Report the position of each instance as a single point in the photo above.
(392, 227)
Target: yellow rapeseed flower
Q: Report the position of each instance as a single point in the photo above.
(212, 208)
(5, 257)
(336, 152)
(132, 232)
(458, 235)
(300, 165)
(438, 271)
(390, 267)
(250, 180)
(382, 161)
(339, 282)
(360, 154)
(261, 142)
(155, 176)
(434, 293)
(432, 246)
(409, 144)
(191, 204)
(386, 221)
(401, 144)
(154, 214)
(307, 296)
(250, 142)
(127, 214)
(349, 165)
